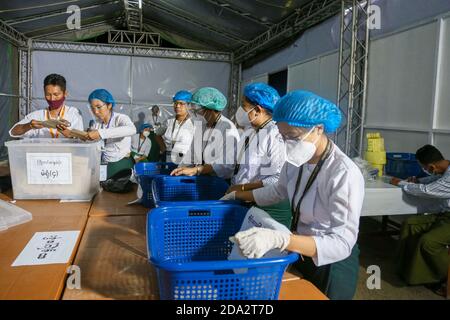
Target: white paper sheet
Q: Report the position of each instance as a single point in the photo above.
(48, 248)
(49, 168)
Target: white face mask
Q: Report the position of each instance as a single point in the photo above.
(146, 133)
(242, 118)
(427, 172)
(298, 152)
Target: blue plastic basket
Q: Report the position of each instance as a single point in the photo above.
(189, 247)
(145, 172)
(179, 190)
(403, 165)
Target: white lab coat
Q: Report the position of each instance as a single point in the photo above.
(116, 137)
(262, 161)
(181, 135)
(141, 146)
(213, 145)
(70, 114)
(330, 210)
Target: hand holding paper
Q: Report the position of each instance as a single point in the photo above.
(256, 242)
(229, 196)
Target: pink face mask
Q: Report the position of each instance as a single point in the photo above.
(55, 104)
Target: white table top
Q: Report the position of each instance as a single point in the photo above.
(385, 199)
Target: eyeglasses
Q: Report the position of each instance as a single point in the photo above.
(98, 107)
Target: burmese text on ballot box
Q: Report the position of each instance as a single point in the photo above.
(54, 168)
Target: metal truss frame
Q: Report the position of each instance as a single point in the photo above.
(235, 87)
(312, 13)
(12, 35)
(353, 72)
(147, 39)
(133, 14)
(130, 50)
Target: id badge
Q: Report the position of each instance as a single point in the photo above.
(103, 172)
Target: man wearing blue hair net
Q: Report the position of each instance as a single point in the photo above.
(326, 192)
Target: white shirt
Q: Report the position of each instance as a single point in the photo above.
(330, 210)
(141, 146)
(213, 145)
(70, 114)
(159, 123)
(261, 161)
(178, 138)
(116, 137)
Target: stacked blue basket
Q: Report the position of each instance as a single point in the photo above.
(146, 172)
(181, 190)
(189, 247)
(403, 165)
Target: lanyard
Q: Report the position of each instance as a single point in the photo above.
(296, 211)
(109, 122)
(60, 115)
(209, 136)
(140, 144)
(244, 148)
(107, 127)
(178, 132)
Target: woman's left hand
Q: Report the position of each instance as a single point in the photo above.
(236, 187)
(93, 135)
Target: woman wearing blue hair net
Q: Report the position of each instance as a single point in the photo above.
(176, 135)
(115, 129)
(141, 143)
(326, 191)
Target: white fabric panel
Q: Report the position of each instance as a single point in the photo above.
(157, 80)
(442, 142)
(84, 73)
(328, 76)
(304, 76)
(401, 69)
(400, 141)
(443, 107)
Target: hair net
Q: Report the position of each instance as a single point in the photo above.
(210, 98)
(182, 95)
(262, 94)
(305, 109)
(144, 126)
(102, 95)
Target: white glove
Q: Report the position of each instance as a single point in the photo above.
(256, 242)
(229, 196)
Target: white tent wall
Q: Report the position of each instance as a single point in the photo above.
(409, 71)
(9, 92)
(137, 83)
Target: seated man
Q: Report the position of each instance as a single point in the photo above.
(424, 239)
(55, 93)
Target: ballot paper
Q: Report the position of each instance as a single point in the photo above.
(48, 248)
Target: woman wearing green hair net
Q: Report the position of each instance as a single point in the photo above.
(215, 136)
(326, 191)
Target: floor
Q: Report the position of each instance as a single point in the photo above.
(374, 252)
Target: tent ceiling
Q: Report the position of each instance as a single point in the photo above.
(193, 24)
